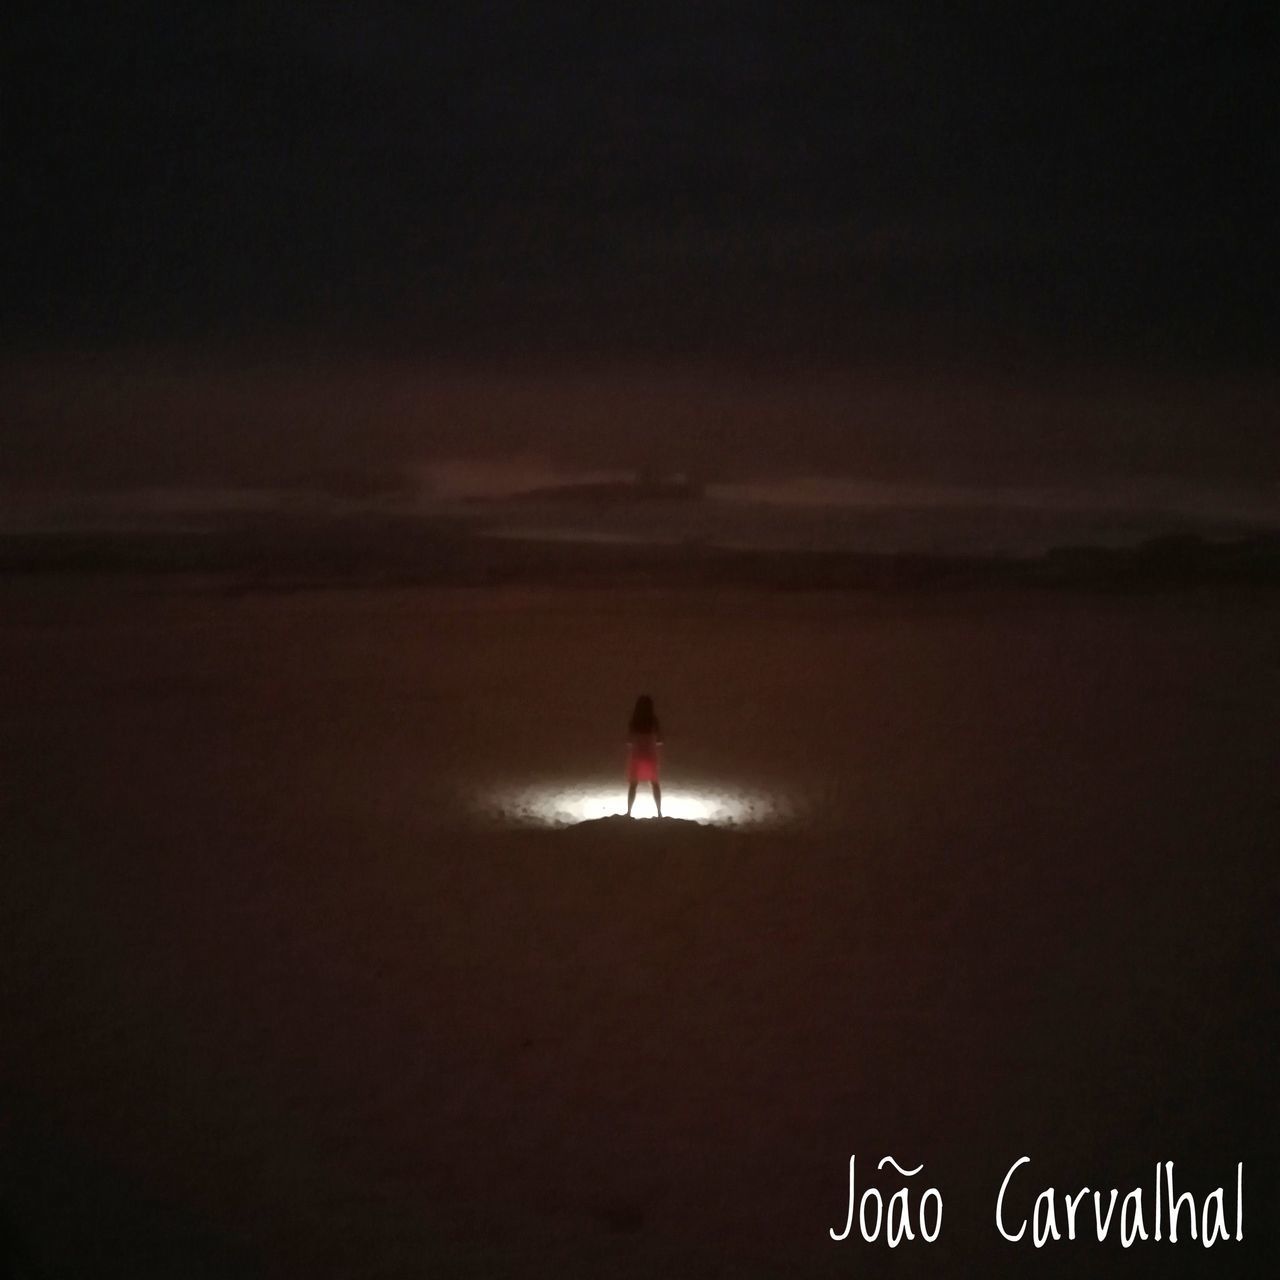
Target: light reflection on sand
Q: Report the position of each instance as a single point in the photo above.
(564, 803)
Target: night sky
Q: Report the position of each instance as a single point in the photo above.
(987, 242)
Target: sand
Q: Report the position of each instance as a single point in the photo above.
(291, 986)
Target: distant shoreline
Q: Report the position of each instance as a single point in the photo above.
(391, 553)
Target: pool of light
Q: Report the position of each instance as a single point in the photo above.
(561, 804)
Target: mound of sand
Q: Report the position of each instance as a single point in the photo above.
(619, 825)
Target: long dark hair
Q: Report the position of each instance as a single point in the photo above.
(643, 719)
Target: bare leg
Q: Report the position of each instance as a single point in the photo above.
(631, 798)
(657, 796)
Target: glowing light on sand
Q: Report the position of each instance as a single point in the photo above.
(551, 804)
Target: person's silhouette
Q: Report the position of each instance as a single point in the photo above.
(644, 737)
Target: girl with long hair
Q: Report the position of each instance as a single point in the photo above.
(644, 737)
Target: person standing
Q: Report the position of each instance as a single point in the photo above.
(644, 737)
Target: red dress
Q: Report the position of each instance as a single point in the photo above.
(642, 762)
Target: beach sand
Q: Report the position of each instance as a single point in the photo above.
(292, 986)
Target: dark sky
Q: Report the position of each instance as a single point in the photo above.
(1013, 238)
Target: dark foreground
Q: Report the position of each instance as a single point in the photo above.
(284, 995)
